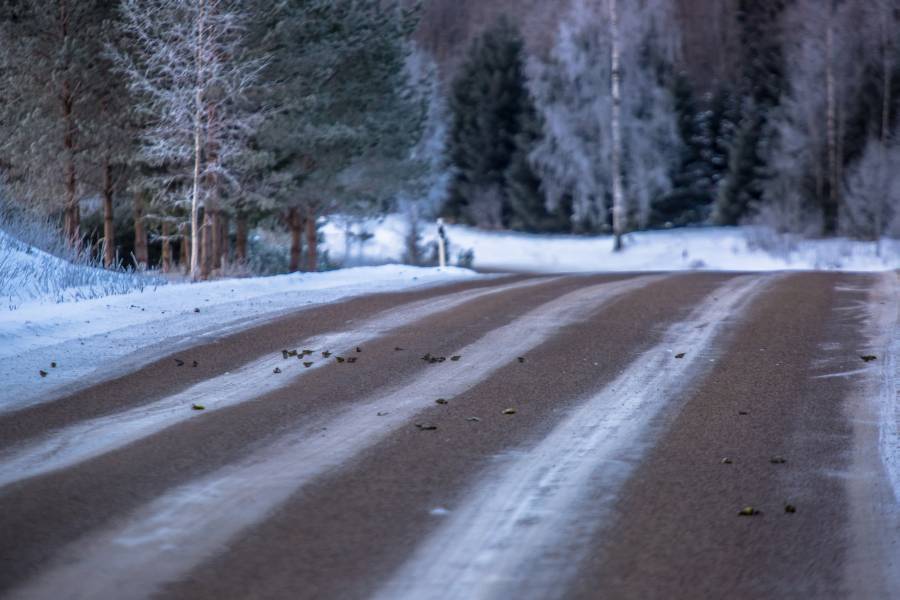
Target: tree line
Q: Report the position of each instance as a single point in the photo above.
(209, 116)
(178, 126)
(605, 131)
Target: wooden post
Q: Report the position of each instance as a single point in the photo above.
(442, 244)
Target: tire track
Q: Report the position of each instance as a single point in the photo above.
(521, 533)
(82, 441)
(167, 537)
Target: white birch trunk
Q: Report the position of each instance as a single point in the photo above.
(198, 124)
(619, 213)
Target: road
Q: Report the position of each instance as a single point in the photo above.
(511, 437)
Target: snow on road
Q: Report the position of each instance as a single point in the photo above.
(90, 438)
(99, 339)
(172, 534)
(532, 514)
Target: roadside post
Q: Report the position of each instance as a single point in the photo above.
(442, 244)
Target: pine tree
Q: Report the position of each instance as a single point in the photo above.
(487, 101)
(49, 78)
(342, 105)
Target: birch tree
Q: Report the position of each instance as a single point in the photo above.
(823, 55)
(183, 60)
(618, 192)
(581, 159)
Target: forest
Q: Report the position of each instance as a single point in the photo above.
(215, 137)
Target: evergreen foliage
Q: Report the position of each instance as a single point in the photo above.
(706, 126)
(761, 87)
(488, 101)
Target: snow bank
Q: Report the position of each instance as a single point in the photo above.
(713, 248)
(103, 337)
(29, 275)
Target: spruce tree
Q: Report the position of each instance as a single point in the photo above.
(344, 113)
(762, 84)
(706, 127)
(49, 76)
(487, 101)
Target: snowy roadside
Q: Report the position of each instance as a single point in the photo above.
(98, 339)
(709, 248)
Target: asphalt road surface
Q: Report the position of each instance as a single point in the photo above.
(513, 437)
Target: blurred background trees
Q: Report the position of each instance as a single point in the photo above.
(198, 133)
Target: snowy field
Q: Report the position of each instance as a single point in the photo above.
(712, 248)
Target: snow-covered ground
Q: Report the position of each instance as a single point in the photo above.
(102, 337)
(81, 318)
(29, 275)
(714, 248)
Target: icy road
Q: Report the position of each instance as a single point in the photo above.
(692, 435)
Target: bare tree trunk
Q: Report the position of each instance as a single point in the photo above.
(312, 242)
(295, 223)
(215, 238)
(198, 124)
(109, 236)
(166, 248)
(206, 246)
(225, 240)
(195, 202)
(216, 242)
(831, 206)
(886, 69)
(71, 212)
(240, 239)
(185, 252)
(619, 214)
(140, 232)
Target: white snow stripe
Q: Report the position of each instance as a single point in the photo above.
(168, 537)
(884, 334)
(872, 480)
(98, 340)
(87, 439)
(523, 529)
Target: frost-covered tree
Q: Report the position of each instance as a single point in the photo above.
(429, 180)
(527, 207)
(573, 93)
(183, 60)
(871, 208)
(808, 152)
